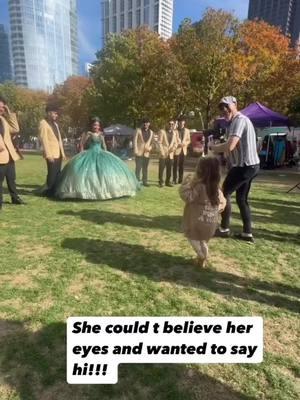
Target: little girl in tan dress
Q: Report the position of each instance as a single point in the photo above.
(203, 203)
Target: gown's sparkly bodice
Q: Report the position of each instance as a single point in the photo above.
(94, 141)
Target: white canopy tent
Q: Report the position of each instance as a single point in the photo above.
(118, 130)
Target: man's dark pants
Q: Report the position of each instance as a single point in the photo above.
(54, 169)
(178, 166)
(165, 163)
(8, 171)
(239, 180)
(141, 164)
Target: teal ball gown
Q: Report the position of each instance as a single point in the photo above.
(96, 174)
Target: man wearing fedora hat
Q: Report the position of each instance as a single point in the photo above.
(241, 152)
(51, 140)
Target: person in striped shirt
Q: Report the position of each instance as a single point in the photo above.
(241, 151)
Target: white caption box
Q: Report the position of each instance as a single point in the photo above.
(97, 345)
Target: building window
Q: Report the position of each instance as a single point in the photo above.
(138, 3)
(114, 6)
(122, 6)
(106, 26)
(146, 15)
(114, 27)
(146, 3)
(156, 14)
(105, 9)
(129, 4)
(138, 17)
(130, 20)
(122, 22)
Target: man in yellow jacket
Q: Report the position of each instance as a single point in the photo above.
(51, 140)
(184, 139)
(142, 145)
(168, 142)
(8, 155)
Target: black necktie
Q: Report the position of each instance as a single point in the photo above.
(1, 129)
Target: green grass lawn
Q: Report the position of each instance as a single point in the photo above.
(128, 257)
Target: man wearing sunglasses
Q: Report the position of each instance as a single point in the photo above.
(241, 151)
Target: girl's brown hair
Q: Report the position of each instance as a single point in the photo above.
(208, 172)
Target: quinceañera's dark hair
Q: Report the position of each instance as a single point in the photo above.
(95, 119)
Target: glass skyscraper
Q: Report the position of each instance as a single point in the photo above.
(5, 61)
(282, 13)
(119, 15)
(44, 42)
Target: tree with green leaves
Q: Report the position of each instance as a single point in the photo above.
(137, 74)
(28, 104)
(207, 50)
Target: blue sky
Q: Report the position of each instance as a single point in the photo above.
(90, 26)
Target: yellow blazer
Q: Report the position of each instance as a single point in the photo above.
(186, 140)
(167, 149)
(10, 126)
(52, 147)
(142, 148)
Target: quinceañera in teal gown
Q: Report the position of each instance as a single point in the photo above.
(96, 174)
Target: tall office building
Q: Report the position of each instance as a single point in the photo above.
(282, 13)
(44, 42)
(5, 61)
(120, 15)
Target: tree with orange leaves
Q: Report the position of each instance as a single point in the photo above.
(265, 68)
(71, 98)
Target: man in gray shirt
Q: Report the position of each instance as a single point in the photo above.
(241, 151)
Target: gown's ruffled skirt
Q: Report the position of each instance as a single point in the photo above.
(96, 174)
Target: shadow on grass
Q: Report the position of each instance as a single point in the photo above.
(281, 212)
(28, 186)
(279, 236)
(158, 267)
(24, 189)
(34, 364)
(268, 234)
(165, 222)
(282, 204)
(173, 222)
